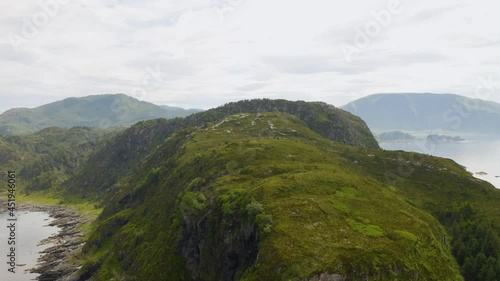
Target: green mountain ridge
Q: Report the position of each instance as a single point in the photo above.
(102, 111)
(427, 112)
(124, 153)
(267, 190)
(262, 197)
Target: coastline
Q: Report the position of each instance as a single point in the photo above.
(468, 154)
(56, 262)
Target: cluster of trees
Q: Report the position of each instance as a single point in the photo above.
(475, 244)
(46, 158)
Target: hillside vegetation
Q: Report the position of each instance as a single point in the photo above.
(262, 197)
(44, 160)
(125, 153)
(278, 190)
(281, 194)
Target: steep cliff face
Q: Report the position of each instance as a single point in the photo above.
(262, 197)
(267, 196)
(218, 249)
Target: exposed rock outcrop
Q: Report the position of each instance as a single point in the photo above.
(56, 263)
(222, 255)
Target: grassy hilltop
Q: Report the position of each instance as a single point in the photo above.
(278, 190)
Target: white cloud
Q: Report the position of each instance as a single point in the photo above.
(279, 49)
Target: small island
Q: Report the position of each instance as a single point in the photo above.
(394, 136)
(444, 138)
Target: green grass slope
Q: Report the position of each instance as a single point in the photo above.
(328, 121)
(263, 197)
(125, 153)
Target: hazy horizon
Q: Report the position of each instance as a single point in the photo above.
(270, 182)
(205, 108)
(200, 54)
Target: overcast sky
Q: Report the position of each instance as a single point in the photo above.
(202, 54)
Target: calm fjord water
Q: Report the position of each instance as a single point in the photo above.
(31, 228)
(477, 153)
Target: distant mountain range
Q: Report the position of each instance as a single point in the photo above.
(425, 112)
(101, 111)
(255, 190)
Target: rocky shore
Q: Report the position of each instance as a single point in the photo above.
(57, 262)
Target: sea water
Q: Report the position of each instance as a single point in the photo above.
(31, 228)
(478, 154)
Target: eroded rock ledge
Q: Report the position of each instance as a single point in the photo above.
(56, 262)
